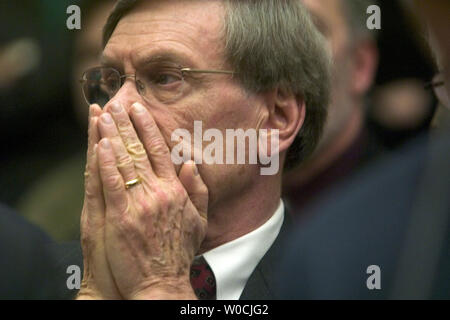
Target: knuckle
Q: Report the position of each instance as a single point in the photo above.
(148, 216)
(158, 147)
(148, 126)
(145, 207)
(89, 169)
(136, 148)
(84, 234)
(87, 180)
(126, 225)
(86, 238)
(163, 199)
(123, 125)
(108, 163)
(86, 175)
(114, 182)
(90, 193)
(85, 241)
(124, 160)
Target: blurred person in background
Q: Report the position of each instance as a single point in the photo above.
(37, 133)
(346, 143)
(384, 234)
(400, 109)
(33, 93)
(28, 260)
(55, 200)
(32, 87)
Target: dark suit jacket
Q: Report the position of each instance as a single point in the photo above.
(400, 203)
(261, 284)
(25, 262)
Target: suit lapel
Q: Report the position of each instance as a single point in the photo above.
(262, 282)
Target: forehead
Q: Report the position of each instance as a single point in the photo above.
(188, 29)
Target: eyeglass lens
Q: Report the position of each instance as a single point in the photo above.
(157, 80)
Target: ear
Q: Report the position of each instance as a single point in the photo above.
(286, 114)
(365, 63)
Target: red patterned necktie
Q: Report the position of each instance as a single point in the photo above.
(202, 279)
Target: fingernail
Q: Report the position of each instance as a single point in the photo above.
(116, 107)
(138, 108)
(95, 148)
(92, 108)
(105, 144)
(106, 117)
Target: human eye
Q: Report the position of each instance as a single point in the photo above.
(163, 76)
(166, 79)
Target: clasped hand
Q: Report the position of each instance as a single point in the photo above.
(138, 242)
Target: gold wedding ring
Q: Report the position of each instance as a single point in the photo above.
(132, 183)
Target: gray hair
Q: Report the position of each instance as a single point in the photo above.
(273, 44)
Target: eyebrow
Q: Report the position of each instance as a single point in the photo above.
(106, 61)
(159, 56)
(162, 57)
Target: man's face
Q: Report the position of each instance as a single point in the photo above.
(187, 33)
(329, 18)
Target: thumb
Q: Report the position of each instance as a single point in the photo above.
(195, 187)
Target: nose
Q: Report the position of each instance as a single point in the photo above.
(126, 96)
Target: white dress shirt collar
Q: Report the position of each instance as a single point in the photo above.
(234, 261)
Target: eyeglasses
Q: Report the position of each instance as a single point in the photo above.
(164, 82)
(437, 85)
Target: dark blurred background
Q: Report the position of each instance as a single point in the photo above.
(43, 116)
(38, 127)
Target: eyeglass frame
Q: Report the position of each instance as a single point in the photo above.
(125, 76)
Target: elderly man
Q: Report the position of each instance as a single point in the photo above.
(251, 65)
(347, 143)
